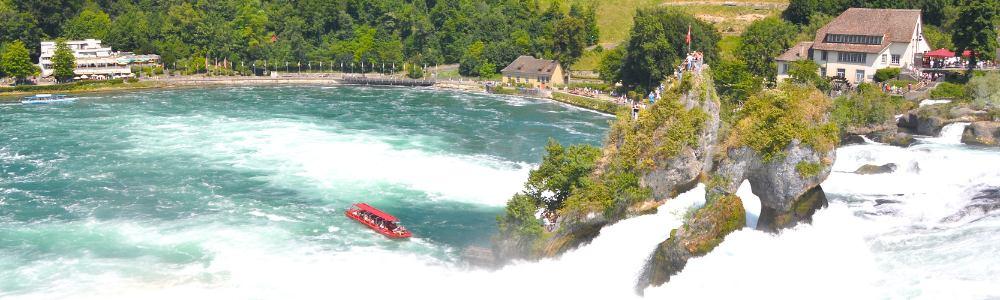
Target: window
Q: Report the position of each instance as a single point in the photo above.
(784, 68)
(853, 39)
(859, 76)
(895, 59)
(852, 57)
(885, 58)
(824, 54)
(841, 73)
(822, 71)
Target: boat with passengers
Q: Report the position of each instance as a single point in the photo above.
(382, 222)
(47, 98)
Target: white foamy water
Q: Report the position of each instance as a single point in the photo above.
(950, 134)
(311, 157)
(850, 251)
(259, 263)
(856, 250)
(933, 102)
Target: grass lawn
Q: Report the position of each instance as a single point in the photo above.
(614, 17)
(589, 61)
(727, 46)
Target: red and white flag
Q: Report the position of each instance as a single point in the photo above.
(688, 39)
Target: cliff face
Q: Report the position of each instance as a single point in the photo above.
(779, 183)
(782, 142)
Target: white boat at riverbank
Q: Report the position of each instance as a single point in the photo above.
(46, 99)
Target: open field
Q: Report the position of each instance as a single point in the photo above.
(614, 17)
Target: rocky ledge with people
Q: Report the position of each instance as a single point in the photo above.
(782, 142)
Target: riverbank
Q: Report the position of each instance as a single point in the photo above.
(83, 87)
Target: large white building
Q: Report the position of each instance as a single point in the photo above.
(861, 41)
(94, 60)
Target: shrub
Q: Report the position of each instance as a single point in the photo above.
(519, 218)
(984, 91)
(415, 72)
(948, 90)
(866, 107)
(562, 170)
(770, 120)
(882, 75)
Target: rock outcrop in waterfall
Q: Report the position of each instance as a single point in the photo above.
(781, 141)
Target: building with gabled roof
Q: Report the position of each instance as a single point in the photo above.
(534, 72)
(861, 41)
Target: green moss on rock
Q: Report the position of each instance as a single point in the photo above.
(808, 169)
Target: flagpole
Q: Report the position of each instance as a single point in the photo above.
(689, 38)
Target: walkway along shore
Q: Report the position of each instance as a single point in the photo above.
(164, 82)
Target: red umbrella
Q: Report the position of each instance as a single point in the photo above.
(940, 53)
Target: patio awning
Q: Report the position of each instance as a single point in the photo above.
(940, 53)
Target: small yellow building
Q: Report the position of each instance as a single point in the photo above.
(534, 72)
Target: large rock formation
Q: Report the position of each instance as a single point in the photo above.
(982, 133)
(785, 179)
(696, 237)
(669, 147)
(929, 120)
(669, 177)
(779, 183)
(922, 123)
(782, 142)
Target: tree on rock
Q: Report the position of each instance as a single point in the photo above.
(15, 61)
(63, 62)
(975, 31)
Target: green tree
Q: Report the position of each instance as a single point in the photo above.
(657, 45)
(132, 31)
(472, 59)
(16, 62)
(19, 26)
(568, 41)
(762, 42)
(589, 17)
(611, 65)
(91, 23)
(798, 11)
(519, 218)
(735, 82)
(562, 171)
(63, 62)
(806, 71)
(936, 38)
(976, 31)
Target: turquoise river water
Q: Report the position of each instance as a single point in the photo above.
(165, 187)
(238, 193)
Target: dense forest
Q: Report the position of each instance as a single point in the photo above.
(484, 36)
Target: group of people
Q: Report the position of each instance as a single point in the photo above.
(378, 221)
(958, 62)
(899, 90)
(586, 92)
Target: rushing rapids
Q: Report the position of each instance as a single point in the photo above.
(238, 193)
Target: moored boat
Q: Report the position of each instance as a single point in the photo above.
(382, 222)
(46, 98)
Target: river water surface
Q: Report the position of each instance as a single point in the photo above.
(238, 193)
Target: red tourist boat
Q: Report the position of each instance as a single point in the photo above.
(377, 220)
